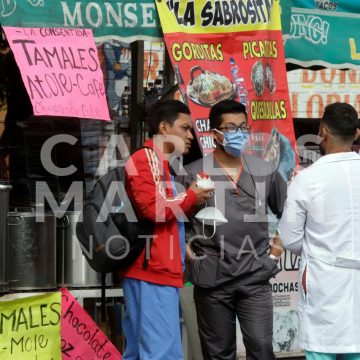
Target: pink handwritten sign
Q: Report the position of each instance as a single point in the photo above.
(61, 71)
(81, 339)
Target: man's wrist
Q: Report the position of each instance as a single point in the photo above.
(275, 247)
(274, 257)
(190, 256)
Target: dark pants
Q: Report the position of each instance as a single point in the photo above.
(217, 309)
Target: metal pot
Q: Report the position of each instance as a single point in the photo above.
(32, 251)
(73, 269)
(4, 207)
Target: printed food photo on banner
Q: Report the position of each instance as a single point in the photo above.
(207, 88)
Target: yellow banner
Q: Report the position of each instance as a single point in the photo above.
(218, 16)
(30, 328)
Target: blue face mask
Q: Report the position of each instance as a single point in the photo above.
(235, 143)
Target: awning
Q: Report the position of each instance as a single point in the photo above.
(317, 32)
(109, 20)
(322, 32)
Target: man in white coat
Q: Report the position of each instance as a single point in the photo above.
(321, 223)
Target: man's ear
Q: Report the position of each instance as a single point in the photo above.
(357, 135)
(163, 128)
(324, 132)
(215, 135)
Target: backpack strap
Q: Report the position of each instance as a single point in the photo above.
(103, 297)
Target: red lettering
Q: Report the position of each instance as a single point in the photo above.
(309, 76)
(313, 100)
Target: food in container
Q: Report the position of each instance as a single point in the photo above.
(203, 181)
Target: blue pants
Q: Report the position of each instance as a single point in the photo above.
(151, 321)
(324, 356)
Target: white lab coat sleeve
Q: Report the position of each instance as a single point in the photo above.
(293, 220)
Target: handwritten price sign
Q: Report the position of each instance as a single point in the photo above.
(61, 71)
(30, 328)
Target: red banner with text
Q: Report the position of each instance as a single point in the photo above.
(233, 50)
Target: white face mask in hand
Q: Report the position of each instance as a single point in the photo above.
(210, 215)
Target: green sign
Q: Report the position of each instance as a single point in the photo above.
(123, 20)
(285, 8)
(321, 32)
(324, 33)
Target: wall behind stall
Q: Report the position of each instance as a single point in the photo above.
(310, 91)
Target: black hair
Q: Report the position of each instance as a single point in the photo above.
(167, 111)
(342, 120)
(224, 107)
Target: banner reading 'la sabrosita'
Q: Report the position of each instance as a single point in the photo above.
(230, 49)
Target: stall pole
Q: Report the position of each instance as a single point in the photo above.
(137, 92)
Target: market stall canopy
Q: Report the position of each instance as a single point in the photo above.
(121, 20)
(316, 32)
(322, 32)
